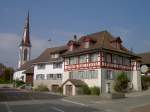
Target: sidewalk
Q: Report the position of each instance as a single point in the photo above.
(145, 108)
(136, 94)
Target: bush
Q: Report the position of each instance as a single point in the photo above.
(145, 80)
(121, 82)
(41, 87)
(2, 81)
(18, 83)
(86, 89)
(95, 90)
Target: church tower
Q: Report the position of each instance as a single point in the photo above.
(25, 45)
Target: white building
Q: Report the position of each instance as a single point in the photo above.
(96, 59)
(49, 68)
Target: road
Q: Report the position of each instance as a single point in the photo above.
(24, 101)
(21, 101)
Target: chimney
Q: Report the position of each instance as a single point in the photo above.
(75, 37)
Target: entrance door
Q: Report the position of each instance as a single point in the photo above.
(29, 79)
(69, 90)
(55, 88)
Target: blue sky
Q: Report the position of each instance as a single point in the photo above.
(61, 19)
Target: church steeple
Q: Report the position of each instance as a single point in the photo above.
(25, 45)
(26, 34)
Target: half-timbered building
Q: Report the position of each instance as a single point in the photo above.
(96, 59)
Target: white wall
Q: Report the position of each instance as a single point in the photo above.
(136, 80)
(18, 75)
(48, 70)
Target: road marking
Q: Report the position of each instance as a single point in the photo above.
(7, 107)
(77, 103)
(57, 109)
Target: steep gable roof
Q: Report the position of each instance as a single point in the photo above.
(102, 41)
(45, 57)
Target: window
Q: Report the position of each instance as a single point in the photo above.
(25, 54)
(40, 77)
(120, 58)
(54, 76)
(82, 59)
(57, 65)
(67, 61)
(86, 44)
(59, 76)
(49, 76)
(41, 66)
(107, 57)
(109, 75)
(72, 60)
(70, 75)
(93, 74)
(126, 61)
(55, 55)
(114, 59)
(93, 57)
(71, 47)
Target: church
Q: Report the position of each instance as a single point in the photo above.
(92, 60)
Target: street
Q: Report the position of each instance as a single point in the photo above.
(44, 102)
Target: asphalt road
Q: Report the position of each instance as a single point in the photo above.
(24, 101)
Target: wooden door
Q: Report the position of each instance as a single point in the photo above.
(29, 79)
(69, 90)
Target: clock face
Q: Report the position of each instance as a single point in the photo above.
(144, 68)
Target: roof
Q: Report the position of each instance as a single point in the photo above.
(29, 70)
(26, 65)
(26, 34)
(45, 56)
(102, 40)
(145, 57)
(75, 82)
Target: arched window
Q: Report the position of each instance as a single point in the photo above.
(25, 54)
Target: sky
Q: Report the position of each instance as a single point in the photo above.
(59, 20)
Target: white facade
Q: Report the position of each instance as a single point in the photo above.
(19, 75)
(48, 69)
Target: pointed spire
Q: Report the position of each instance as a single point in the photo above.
(26, 34)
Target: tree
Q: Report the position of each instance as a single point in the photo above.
(121, 82)
(8, 74)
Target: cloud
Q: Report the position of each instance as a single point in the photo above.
(9, 48)
(9, 45)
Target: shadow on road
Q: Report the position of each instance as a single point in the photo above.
(9, 94)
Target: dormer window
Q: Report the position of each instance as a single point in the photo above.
(72, 45)
(88, 41)
(86, 44)
(55, 55)
(116, 43)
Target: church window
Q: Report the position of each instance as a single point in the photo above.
(25, 54)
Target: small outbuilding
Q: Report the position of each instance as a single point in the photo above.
(72, 87)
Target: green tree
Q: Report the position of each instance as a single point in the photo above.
(8, 73)
(121, 82)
